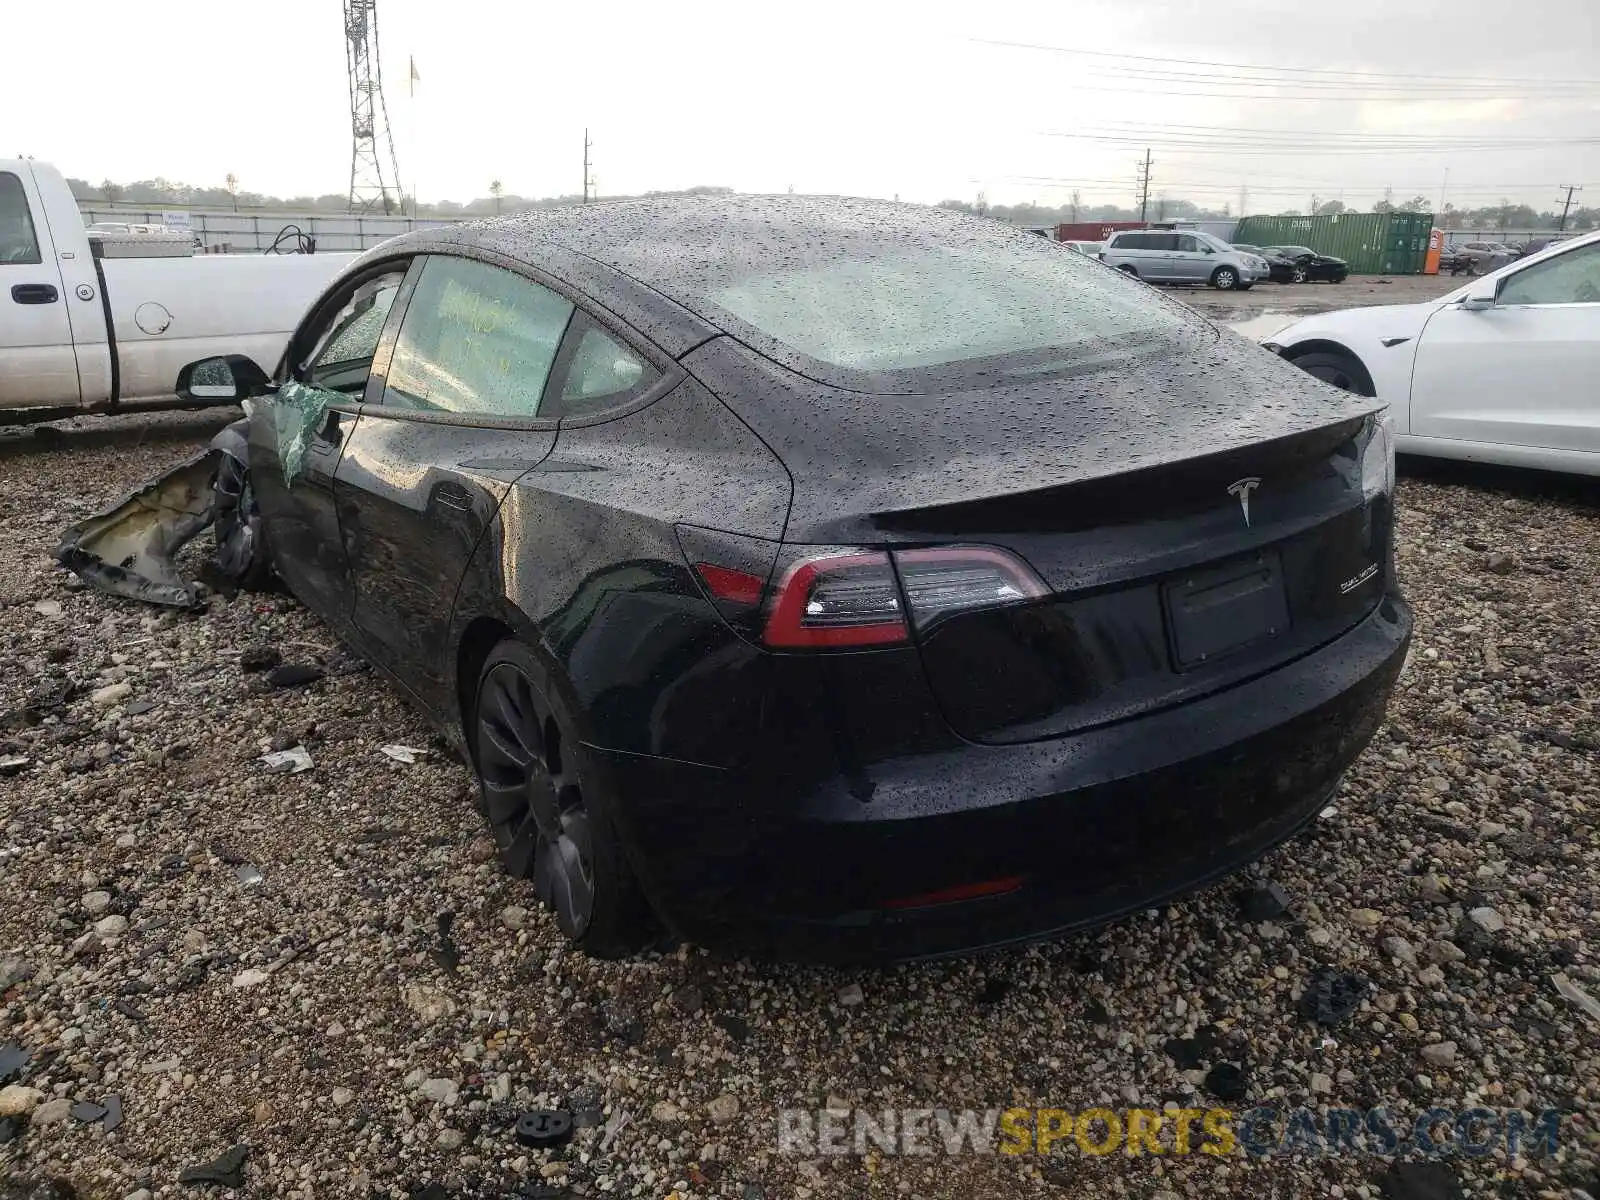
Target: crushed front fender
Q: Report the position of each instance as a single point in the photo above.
(131, 548)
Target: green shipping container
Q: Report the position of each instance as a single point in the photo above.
(1372, 243)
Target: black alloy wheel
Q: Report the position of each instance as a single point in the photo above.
(1343, 371)
(549, 826)
(241, 545)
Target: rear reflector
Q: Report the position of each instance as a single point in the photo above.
(737, 587)
(963, 891)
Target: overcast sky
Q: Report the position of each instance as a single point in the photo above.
(870, 97)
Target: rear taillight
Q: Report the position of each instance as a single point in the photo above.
(849, 598)
(946, 580)
(837, 599)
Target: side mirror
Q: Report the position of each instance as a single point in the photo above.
(1480, 297)
(228, 377)
(1208, 249)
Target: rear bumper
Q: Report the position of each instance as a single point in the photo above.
(1090, 826)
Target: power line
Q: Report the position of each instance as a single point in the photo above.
(1294, 72)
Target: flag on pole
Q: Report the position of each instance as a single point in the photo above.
(415, 78)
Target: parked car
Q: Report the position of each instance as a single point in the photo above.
(831, 578)
(1307, 266)
(1499, 370)
(1279, 268)
(1170, 256)
(96, 327)
(1483, 257)
(1092, 249)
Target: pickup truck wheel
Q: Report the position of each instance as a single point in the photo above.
(241, 541)
(1338, 367)
(1225, 279)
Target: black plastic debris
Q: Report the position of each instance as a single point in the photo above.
(12, 1059)
(294, 675)
(128, 1009)
(1228, 1082)
(994, 990)
(9, 1128)
(588, 1118)
(429, 1191)
(1265, 902)
(226, 1170)
(1331, 995)
(259, 658)
(544, 1127)
(446, 954)
(1420, 1181)
(735, 1027)
(87, 1111)
(137, 708)
(113, 1117)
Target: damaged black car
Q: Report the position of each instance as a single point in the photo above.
(827, 578)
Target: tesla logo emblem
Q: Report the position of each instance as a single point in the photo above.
(1242, 489)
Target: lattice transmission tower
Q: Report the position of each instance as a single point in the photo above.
(374, 171)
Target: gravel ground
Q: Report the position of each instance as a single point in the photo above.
(317, 1016)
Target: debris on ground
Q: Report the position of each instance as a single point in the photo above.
(1420, 1181)
(10, 764)
(292, 675)
(1228, 1082)
(259, 658)
(1264, 902)
(12, 1057)
(131, 548)
(851, 995)
(1331, 996)
(1571, 992)
(404, 754)
(292, 761)
(544, 1128)
(226, 1170)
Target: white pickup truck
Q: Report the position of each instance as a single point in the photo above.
(103, 322)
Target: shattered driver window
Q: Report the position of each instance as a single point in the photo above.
(476, 339)
(343, 357)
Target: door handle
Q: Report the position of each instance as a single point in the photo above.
(453, 495)
(34, 293)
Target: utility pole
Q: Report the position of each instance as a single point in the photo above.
(1567, 206)
(1244, 199)
(586, 145)
(1144, 187)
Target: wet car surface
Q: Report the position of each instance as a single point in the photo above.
(809, 576)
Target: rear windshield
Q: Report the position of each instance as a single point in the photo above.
(920, 307)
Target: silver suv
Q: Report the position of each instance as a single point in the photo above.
(1182, 256)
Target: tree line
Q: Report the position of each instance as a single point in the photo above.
(159, 191)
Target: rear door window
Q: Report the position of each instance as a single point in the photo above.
(1189, 244)
(1133, 241)
(19, 244)
(601, 373)
(476, 339)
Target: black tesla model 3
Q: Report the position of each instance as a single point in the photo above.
(829, 578)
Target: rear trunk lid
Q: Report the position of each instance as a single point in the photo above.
(1197, 516)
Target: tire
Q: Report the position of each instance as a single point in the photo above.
(241, 539)
(1298, 275)
(550, 819)
(1128, 269)
(1245, 287)
(1340, 278)
(1225, 279)
(1337, 367)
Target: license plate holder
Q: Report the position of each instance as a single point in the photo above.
(1214, 612)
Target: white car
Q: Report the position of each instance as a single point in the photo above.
(1503, 370)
